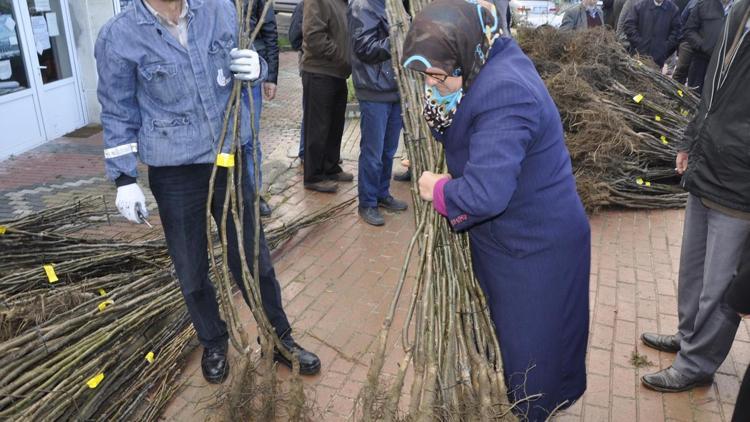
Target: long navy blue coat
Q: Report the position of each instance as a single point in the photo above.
(653, 30)
(514, 191)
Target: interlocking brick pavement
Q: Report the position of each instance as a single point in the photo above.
(338, 279)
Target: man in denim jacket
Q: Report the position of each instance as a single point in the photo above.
(165, 76)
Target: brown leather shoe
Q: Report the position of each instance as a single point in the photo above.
(326, 186)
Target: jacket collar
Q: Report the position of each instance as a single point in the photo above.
(144, 17)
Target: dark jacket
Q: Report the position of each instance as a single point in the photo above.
(653, 30)
(575, 18)
(267, 41)
(325, 41)
(717, 138)
(295, 27)
(372, 70)
(703, 26)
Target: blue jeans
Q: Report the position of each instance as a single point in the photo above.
(380, 126)
(181, 193)
(257, 108)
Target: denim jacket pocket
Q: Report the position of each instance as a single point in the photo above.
(163, 83)
(168, 141)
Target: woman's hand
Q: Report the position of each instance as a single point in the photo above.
(427, 183)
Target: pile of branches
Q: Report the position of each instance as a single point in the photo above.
(623, 119)
(448, 338)
(96, 329)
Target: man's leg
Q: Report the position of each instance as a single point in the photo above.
(319, 102)
(337, 116)
(257, 109)
(684, 58)
(692, 258)
(180, 194)
(373, 121)
(390, 146)
(703, 351)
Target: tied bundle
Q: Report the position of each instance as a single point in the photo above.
(623, 119)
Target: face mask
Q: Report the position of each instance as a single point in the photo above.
(439, 109)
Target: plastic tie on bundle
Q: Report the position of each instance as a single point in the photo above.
(51, 275)
(638, 98)
(642, 182)
(149, 357)
(225, 160)
(95, 380)
(3, 229)
(103, 305)
(680, 93)
(664, 140)
(657, 118)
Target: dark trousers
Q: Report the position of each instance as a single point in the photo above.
(181, 194)
(684, 58)
(380, 126)
(742, 407)
(697, 72)
(324, 116)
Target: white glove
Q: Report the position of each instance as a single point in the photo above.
(128, 196)
(245, 64)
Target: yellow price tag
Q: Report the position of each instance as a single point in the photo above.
(664, 140)
(94, 382)
(103, 305)
(149, 357)
(680, 93)
(50, 271)
(657, 118)
(638, 98)
(639, 181)
(2, 230)
(225, 160)
(102, 292)
(685, 113)
(648, 183)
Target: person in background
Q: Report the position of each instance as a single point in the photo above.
(379, 103)
(584, 16)
(652, 28)
(165, 77)
(325, 67)
(507, 167)
(267, 46)
(704, 24)
(713, 159)
(295, 40)
(684, 51)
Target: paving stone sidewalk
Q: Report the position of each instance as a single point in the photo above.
(338, 279)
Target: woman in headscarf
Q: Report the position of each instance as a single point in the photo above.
(511, 186)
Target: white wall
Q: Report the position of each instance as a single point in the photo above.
(88, 16)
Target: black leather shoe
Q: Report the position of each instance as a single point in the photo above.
(325, 186)
(371, 215)
(214, 364)
(265, 209)
(393, 204)
(309, 363)
(670, 381)
(341, 176)
(661, 342)
(403, 177)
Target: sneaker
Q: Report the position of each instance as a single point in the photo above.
(371, 215)
(326, 186)
(393, 204)
(341, 176)
(265, 209)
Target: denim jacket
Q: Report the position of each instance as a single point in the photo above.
(161, 101)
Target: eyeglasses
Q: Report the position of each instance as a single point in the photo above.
(437, 76)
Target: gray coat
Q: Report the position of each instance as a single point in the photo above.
(575, 18)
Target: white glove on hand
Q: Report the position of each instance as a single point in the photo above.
(127, 198)
(245, 64)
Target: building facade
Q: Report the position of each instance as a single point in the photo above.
(47, 68)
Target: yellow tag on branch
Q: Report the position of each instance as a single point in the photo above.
(102, 306)
(639, 181)
(50, 271)
(684, 112)
(648, 183)
(664, 140)
(102, 292)
(2, 230)
(94, 382)
(638, 98)
(150, 357)
(680, 93)
(225, 160)
(657, 118)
